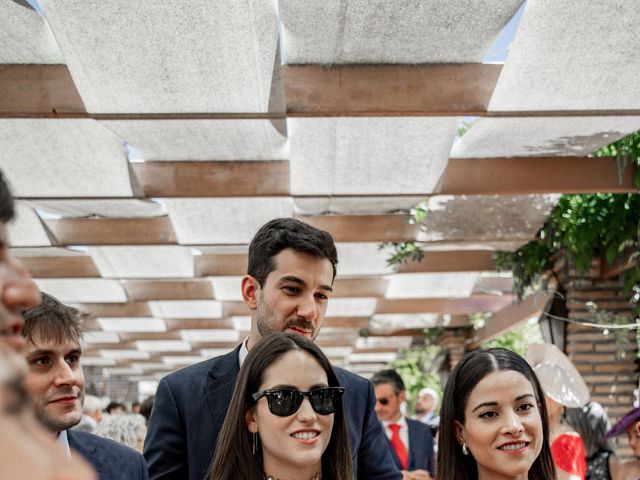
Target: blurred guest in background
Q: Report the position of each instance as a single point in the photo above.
(128, 429)
(91, 414)
(591, 423)
(629, 424)
(563, 387)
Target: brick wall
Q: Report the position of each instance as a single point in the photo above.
(610, 374)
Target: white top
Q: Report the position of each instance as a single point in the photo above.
(63, 441)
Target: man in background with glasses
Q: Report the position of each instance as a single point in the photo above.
(288, 284)
(410, 440)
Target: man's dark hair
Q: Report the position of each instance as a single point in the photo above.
(7, 209)
(146, 406)
(53, 321)
(281, 233)
(391, 377)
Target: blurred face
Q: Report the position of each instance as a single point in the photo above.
(18, 292)
(56, 383)
(388, 403)
(294, 296)
(634, 438)
(26, 449)
(425, 404)
(503, 427)
(292, 446)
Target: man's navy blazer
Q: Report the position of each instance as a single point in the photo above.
(111, 460)
(420, 447)
(191, 404)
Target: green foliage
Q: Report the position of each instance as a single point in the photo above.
(418, 368)
(402, 252)
(625, 151)
(517, 339)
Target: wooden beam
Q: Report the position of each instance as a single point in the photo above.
(140, 290)
(352, 323)
(369, 90)
(360, 287)
(197, 323)
(37, 91)
(452, 306)
(112, 231)
(213, 179)
(72, 266)
(452, 261)
(365, 228)
(531, 175)
(510, 317)
(131, 309)
(211, 265)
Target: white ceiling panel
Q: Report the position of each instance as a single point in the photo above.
(25, 36)
(369, 155)
(47, 252)
(379, 31)
(572, 56)
(387, 324)
(186, 309)
(26, 229)
(351, 307)
(202, 139)
(100, 208)
(101, 337)
(361, 259)
(72, 158)
(431, 285)
(354, 205)
(161, 56)
(539, 136)
(209, 335)
(123, 354)
(488, 219)
(83, 290)
(199, 221)
(364, 343)
(163, 345)
(227, 288)
(163, 261)
(132, 324)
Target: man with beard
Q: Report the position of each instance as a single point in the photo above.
(55, 382)
(291, 270)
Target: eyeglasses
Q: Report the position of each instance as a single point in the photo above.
(286, 401)
(383, 401)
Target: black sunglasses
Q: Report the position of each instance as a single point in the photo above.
(286, 401)
(383, 401)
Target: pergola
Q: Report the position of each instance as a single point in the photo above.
(147, 141)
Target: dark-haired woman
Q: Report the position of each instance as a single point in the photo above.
(493, 421)
(286, 419)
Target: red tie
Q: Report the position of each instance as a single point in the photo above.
(398, 446)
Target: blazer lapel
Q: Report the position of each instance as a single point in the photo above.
(218, 388)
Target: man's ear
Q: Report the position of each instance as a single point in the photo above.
(402, 396)
(250, 287)
(250, 418)
(459, 430)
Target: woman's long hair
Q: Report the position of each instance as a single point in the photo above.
(452, 464)
(233, 458)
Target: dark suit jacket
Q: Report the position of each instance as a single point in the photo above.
(420, 447)
(191, 404)
(111, 460)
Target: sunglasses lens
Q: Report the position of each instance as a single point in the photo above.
(325, 400)
(383, 401)
(284, 402)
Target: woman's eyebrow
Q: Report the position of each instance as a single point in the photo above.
(494, 403)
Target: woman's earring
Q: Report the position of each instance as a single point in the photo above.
(465, 450)
(255, 443)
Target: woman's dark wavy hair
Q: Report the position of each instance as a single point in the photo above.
(452, 464)
(233, 459)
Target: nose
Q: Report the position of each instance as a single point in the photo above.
(307, 308)
(64, 375)
(513, 424)
(306, 413)
(19, 292)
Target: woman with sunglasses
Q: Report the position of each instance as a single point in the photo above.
(286, 419)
